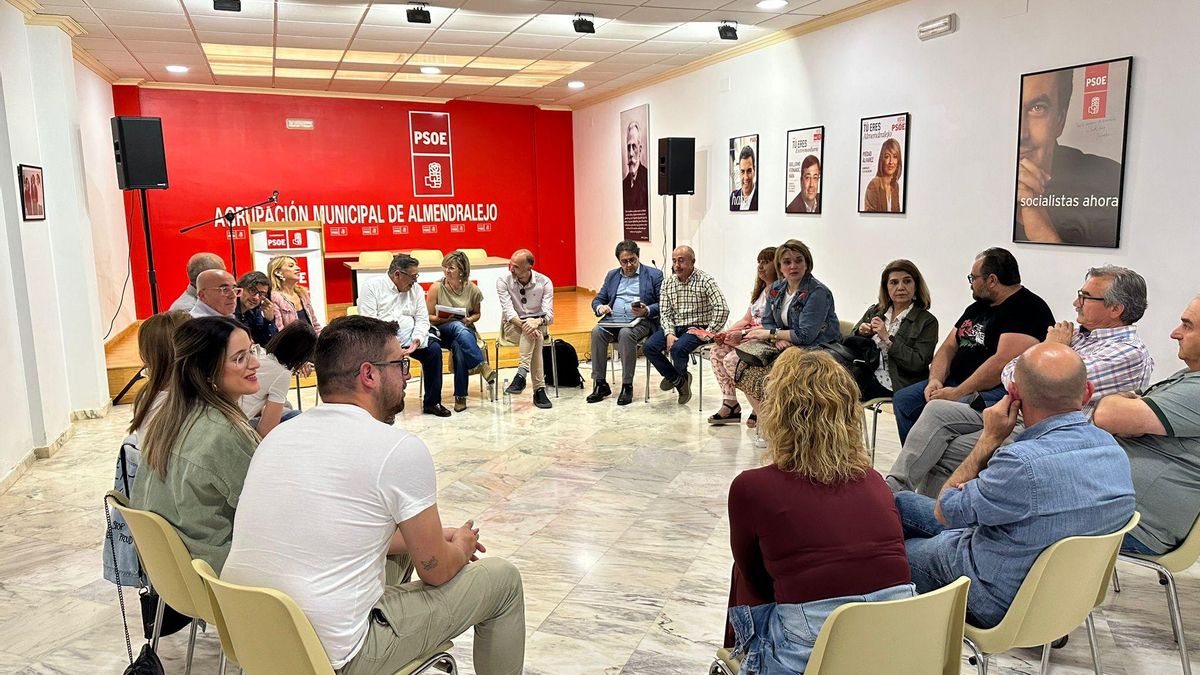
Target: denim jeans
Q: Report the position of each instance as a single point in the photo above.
(464, 350)
(430, 358)
(910, 401)
(1131, 545)
(677, 366)
(778, 639)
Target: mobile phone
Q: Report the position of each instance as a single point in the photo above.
(637, 304)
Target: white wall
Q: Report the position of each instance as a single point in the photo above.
(962, 91)
(103, 200)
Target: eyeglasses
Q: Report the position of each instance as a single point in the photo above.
(254, 293)
(405, 367)
(242, 359)
(1084, 297)
(412, 276)
(226, 289)
(972, 277)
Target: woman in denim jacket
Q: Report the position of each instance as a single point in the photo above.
(799, 313)
(814, 529)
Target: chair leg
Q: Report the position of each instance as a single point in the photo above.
(554, 365)
(158, 619)
(718, 667)
(875, 430)
(647, 380)
(1091, 630)
(221, 664)
(1176, 618)
(1116, 582)
(977, 658)
(1045, 659)
(191, 648)
(700, 375)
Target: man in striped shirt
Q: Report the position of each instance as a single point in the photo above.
(689, 298)
(1108, 305)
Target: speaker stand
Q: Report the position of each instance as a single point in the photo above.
(674, 212)
(153, 289)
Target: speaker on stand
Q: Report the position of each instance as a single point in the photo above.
(141, 165)
(676, 172)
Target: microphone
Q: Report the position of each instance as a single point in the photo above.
(275, 196)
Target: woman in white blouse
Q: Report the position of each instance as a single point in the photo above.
(900, 323)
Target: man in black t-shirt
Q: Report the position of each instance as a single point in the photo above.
(1005, 320)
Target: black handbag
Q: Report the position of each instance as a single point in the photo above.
(172, 621)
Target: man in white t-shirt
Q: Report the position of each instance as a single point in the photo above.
(332, 493)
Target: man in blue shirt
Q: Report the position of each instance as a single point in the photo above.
(627, 305)
(1005, 504)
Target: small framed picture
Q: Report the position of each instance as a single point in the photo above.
(802, 184)
(743, 173)
(33, 196)
(882, 150)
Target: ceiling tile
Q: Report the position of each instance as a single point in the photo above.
(96, 29)
(151, 47)
(163, 60)
(408, 88)
(752, 6)
(296, 83)
(467, 37)
(251, 9)
(688, 4)
(396, 33)
(165, 6)
(578, 55)
(595, 44)
(824, 6)
(321, 13)
(785, 21)
(661, 48)
(456, 90)
(703, 31)
(231, 81)
(508, 6)
(597, 10)
(193, 76)
(312, 29)
(463, 20)
(80, 14)
(99, 43)
(213, 37)
(386, 46)
(502, 51)
(304, 42)
(432, 47)
(116, 17)
(356, 87)
(547, 42)
(631, 58)
(631, 31)
(712, 47)
(155, 34)
(743, 18)
(661, 15)
(233, 24)
(129, 71)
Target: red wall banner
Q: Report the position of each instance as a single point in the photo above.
(365, 169)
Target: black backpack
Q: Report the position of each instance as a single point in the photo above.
(567, 361)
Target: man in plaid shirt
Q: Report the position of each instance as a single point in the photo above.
(1108, 305)
(689, 299)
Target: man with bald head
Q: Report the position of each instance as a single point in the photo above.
(1005, 504)
(526, 308)
(198, 263)
(689, 298)
(216, 294)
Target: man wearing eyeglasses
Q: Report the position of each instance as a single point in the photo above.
(216, 294)
(1107, 307)
(526, 308)
(1005, 320)
(398, 297)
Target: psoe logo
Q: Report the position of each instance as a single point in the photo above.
(430, 147)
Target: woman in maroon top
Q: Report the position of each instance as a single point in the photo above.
(815, 528)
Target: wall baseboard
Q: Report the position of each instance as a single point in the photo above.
(49, 451)
(92, 413)
(17, 471)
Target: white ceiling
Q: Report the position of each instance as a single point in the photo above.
(634, 40)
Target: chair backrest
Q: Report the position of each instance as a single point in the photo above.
(846, 326)
(474, 254)
(915, 636)
(427, 256)
(375, 258)
(1066, 582)
(272, 636)
(352, 310)
(1183, 557)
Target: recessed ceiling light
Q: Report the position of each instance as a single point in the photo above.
(575, 84)
(771, 4)
(430, 70)
(177, 69)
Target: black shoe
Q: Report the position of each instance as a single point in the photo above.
(684, 385)
(626, 396)
(734, 416)
(600, 391)
(541, 400)
(436, 409)
(666, 385)
(517, 385)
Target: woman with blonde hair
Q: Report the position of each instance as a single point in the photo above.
(456, 291)
(198, 446)
(814, 529)
(724, 359)
(291, 300)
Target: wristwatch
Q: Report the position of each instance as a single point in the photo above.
(774, 333)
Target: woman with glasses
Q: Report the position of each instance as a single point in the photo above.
(198, 446)
(286, 354)
(291, 300)
(255, 308)
(456, 292)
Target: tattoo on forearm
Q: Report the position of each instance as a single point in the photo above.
(429, 564)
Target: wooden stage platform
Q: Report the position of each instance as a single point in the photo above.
(573, 322)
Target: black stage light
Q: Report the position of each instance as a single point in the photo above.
(227, 5)
(727, 30)
(419, 14)
(583, 23)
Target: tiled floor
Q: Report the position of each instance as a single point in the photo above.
(615, 516)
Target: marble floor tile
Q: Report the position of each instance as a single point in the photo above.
(616, 517)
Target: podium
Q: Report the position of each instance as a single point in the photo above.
(303, 240)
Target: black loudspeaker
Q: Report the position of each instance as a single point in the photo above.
(138, 145)
(676, 166)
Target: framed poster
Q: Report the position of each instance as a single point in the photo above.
(33, 197)
(802, 184)
(743, 173)
(882, 149)
(635, 177)
(1071, 154)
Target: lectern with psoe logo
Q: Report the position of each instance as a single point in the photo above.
(303, 240)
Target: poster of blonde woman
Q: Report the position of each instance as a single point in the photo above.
(883, 145)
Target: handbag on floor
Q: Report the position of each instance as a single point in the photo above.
(147, 661)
